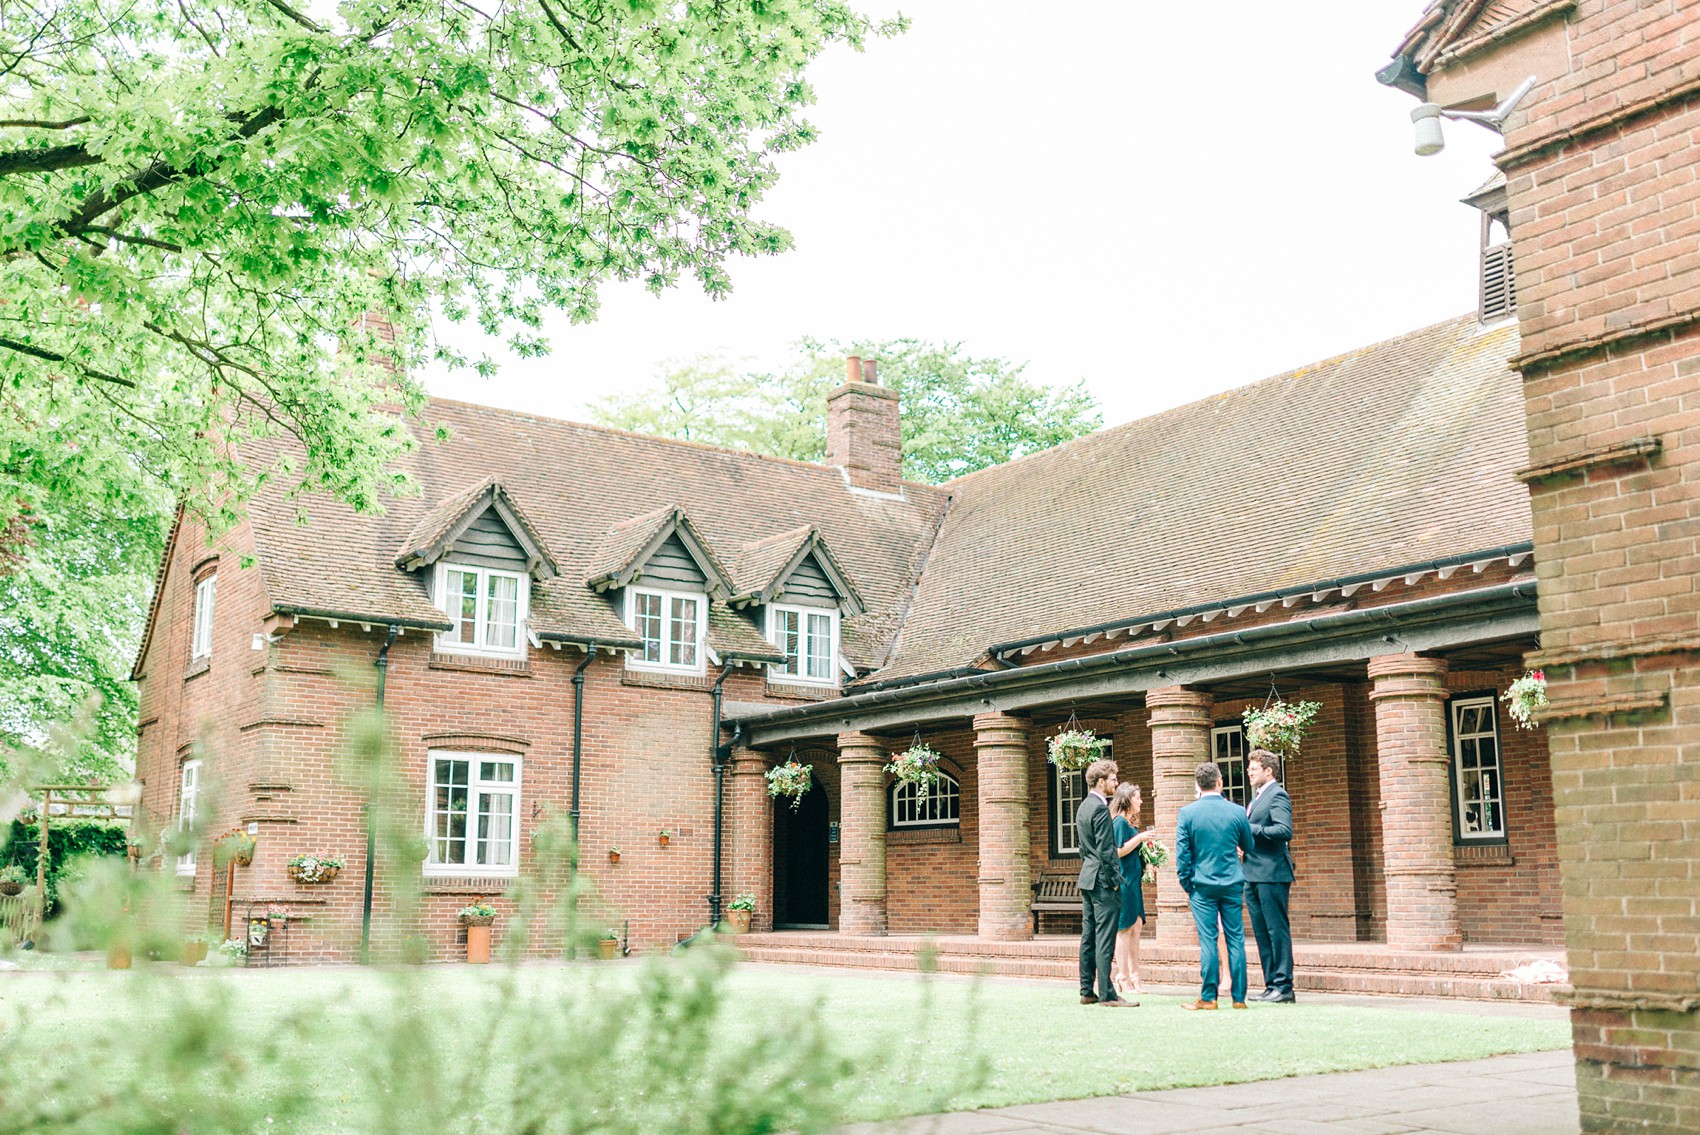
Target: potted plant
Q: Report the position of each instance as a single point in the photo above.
(790, 779)
(1279, 726)
(614, 854)
(234, 846)
(740, 912)
(12, 879)
(230, 952)
(1073, 749)
(478, 917)
(666, 837)
(192, 952)
(314, 867)
(917, 765)
(608, 944)
(1526, 695)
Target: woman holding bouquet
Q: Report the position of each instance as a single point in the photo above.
(1124, 971)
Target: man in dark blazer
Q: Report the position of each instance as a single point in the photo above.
(1269, 873)
(1100, 886)
(1211, 834)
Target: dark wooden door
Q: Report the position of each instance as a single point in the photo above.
(800, 862)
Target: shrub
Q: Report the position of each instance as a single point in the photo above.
(66, 840)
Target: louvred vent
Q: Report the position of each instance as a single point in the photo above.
(1499, 283)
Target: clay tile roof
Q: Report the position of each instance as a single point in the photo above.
(579, 484)
(731, 635)
(762, 567)
(439, 528)
(1393, 454)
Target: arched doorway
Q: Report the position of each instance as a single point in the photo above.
(800, 862)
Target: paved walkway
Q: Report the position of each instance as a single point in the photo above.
(1527, 1094)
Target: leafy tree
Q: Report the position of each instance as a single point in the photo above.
(959, 413)
(202, 200)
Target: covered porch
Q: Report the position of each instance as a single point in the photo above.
(1424, 839)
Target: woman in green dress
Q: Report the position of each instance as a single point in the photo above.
(1125, 808)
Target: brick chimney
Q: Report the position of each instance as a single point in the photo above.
(862, 435)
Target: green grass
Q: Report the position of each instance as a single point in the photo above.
(918, 1043)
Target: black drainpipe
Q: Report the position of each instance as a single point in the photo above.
(383, 665)
(578, 737)
(719, 755)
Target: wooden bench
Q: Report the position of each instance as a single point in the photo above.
(1055, 894)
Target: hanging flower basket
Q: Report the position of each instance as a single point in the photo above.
(917, 765)
(1154, 854)
(790, 779)
(314, 868)
(1279, 726)
(234, 846)
(1073, 749)
(1526, 695)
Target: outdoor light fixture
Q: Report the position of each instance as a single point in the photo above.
(1426, 118)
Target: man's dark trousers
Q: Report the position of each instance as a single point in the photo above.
(1099, 909)
(1268, 905)
(1212, 903)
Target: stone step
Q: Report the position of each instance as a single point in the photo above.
(1319, 968)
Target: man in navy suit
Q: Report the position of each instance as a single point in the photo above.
(1269, 873)
(1212, 834)
(1100, 883)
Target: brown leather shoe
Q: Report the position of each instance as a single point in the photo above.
(1239, 1004)
(1199, 1005)
(1088, 999)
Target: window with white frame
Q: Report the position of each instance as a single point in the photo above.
(1068, 789)
(809, 637)
(940, 807)
(201, 640)
(1227, 749)
(1477, 791)
(672, 625)
(487, 606)
(473, 821)
(188, 801)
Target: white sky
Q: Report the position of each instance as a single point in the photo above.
(1165, 200)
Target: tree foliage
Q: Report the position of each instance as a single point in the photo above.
(202, 201)
(959, 413)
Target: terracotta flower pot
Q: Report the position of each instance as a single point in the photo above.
(613, 857)
(478, 944)
(666, 839)
(606, 948)
(740, 920)
(192, 953)
(118, 955)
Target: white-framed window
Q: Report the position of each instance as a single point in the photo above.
(201, 641)
(472, 814)
(488, 607)
(1227, 749)
(672, 624)
(188, 801)
(1477, 790)
(809, 637)
(941, 807)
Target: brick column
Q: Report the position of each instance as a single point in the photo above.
(1416, 817)
(1180, 742)
(749, 812)
(861, 839)
(1006, 892)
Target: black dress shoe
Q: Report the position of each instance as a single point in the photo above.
(1283, 999)
(1266, 995)
(1088, 999)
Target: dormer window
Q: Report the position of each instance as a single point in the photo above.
(809, 638)
(488, 607)
(673, 626)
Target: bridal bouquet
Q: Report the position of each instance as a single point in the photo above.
(1154, 854)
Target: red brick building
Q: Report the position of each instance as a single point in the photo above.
(1600, 183)
(564, 612)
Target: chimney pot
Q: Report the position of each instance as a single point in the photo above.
(853, 369)
(870, 372)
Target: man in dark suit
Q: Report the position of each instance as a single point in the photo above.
(1269, 873)
(1100, 883)
(1211, 835)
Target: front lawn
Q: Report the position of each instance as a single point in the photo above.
(641, 1046)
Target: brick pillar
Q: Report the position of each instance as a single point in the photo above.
(1180, 742)
(861, 839)
(1416, 818)
(1006, 892)
(749, 812)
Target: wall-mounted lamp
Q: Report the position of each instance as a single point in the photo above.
(1426, 118)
